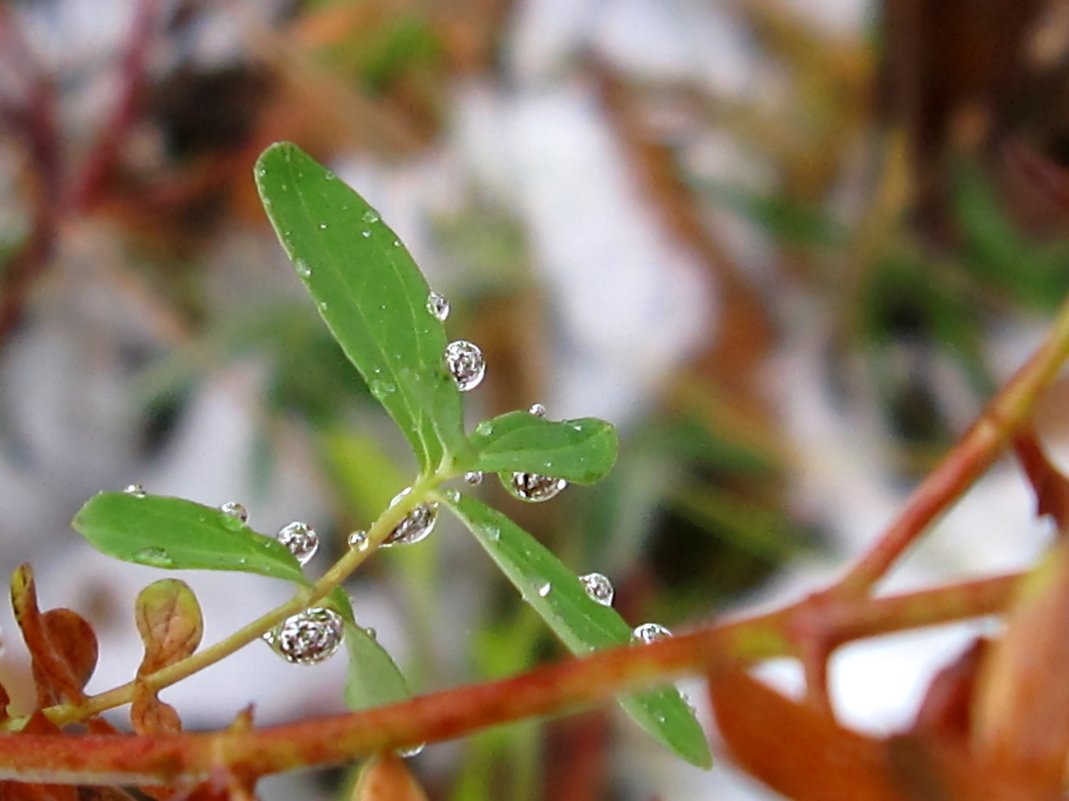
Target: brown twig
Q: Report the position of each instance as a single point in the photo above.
(167, 759)
(974, 453)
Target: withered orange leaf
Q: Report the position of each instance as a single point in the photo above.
(1049, 484)
(1021, 709)
(150, 715)
(946, 710)
(386, 778)
(62, 644)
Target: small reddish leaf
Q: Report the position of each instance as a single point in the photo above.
(169, 621)
(62, 644)
(386, 778)
(1021, 709)
(1049, 484)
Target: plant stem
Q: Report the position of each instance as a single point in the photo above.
(166, 759)
(341, 570)
(974, 453)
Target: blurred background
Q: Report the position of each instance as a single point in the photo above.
(789, 249)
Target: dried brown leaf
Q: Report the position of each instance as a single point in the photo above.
(150, 715)
(1021, 709)
(62, 644)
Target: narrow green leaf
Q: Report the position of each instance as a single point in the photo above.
(176, 534)
(369, 292)
(374, 678)
(582, 451)
(582, 624)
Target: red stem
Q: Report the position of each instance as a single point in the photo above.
(167, 759)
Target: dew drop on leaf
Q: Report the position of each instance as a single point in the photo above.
(323, 226)
(438, 306)
(485, 428)
(302, 268)
(234, 515)
(154, 557)
(545, 590)
(300, 539)
(474, 477)
(598, 587)
(466, 364)
(533, 487)
(308, 637)
(136, 490)
(370, 216)
(647, 633)
(411, 750)
(366, 233)
(537, 409)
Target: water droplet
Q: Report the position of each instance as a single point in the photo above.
(370, 632)
(137, 490)
(466, 364)
(301, 540)
(438, 306)
(545, 590)
(261, 172)
(303, 270)
(474, 477)
(154, 557)
(234, 515)
(308, 637)
(358, 541)
(329, 176)
(382, 389)
(416, 526)
(452, 495)
(411, 750)
(485, 428)
(537, 409)
(366, 234)
(370, 216)
(494, 533)
(648, 633)
(533, 487)
(322, 226)
(598, 587)
(397, 243)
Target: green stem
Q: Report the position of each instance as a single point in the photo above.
(69, 713)
(974, 453)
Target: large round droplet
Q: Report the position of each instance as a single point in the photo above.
(598, 587)
(301, 540)
(308, 637)
(647, 633)
(533, 487)
(235, 515)
(466, 364)
(137, 490)
(417, 524)
(438, 306)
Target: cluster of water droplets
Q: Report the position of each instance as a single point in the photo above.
(307, 638)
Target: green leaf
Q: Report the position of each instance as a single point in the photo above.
(582, 624)
(582, 451)
(178, 534)
(369, 292)
(374, 678)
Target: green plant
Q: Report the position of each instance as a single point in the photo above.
(389, 323)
